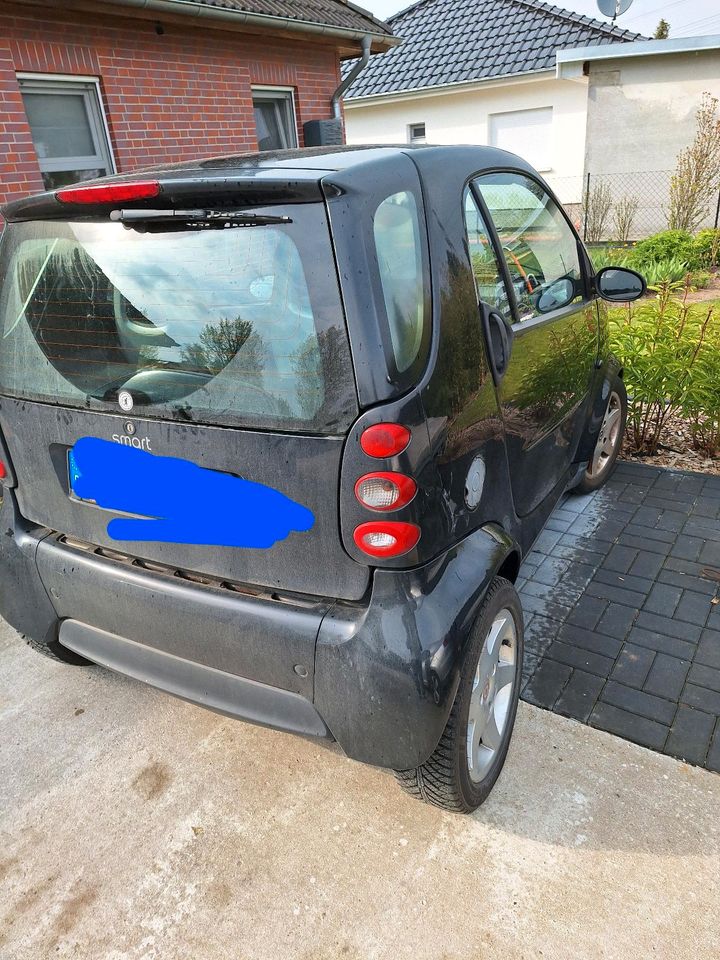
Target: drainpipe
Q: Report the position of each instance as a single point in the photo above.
(352, 76)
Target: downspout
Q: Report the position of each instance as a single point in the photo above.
(366, 43)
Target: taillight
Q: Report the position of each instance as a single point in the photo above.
(110, 193)
(385, 491)
(386, 538)
(3, 471)
(384, 439)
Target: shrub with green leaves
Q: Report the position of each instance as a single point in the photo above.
(668, 270)
(706, 246)
(670, 351)
(668, 245)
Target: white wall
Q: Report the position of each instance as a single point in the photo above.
(462, 116)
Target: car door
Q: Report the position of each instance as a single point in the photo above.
(541, 325)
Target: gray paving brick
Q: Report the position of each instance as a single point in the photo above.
(624, 580)
(671, 520)
(669, 626)
(706, 507)
(578, 554)
(575, 656)
(545, 607)
(704, 676)
(681, 649)
(702, 527)
(546, 541)
(589, 640)
(687, 582)
(551, 570)
(708, 650)
(663, 503)
(646, 564)
(620, 558)
(606, 591)
(648, 516)
(701, 697)
(713, 757)
(640, 730)
(693, 607)
(586, 612)
(690, 735)
(710, 553)
(633, 665)
(617, 620)
(667, 676)
(663, 549)
(546, 684)
(663, 599)
(650, 533)
(639, 702)
(686, 548)
(579, 695)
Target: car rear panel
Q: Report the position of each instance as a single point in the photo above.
(236, 362)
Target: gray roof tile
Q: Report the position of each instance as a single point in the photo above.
(451, 41)
(335, 13)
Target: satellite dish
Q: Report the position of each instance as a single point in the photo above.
(613, 8)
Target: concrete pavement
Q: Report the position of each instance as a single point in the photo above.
(136, 826)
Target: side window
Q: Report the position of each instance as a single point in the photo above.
(540, 249)
(397, 241)
(489, 281)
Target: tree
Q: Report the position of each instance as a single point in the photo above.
(696, 180)
(662, 30)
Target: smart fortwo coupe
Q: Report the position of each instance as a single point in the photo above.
(276, 431)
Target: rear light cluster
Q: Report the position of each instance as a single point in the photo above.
(3, 470)
(110, 193)
(382, 491)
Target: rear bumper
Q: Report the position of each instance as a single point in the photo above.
(379, 676)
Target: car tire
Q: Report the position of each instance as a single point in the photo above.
(462, 770)
(54, 650)
(609, 441)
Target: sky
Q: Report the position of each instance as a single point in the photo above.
(687, 18)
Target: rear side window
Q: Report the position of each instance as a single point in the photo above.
(396, 230)
(238, 326)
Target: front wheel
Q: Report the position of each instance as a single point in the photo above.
(609, 441)
(466, 763)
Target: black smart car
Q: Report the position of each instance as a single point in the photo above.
(276, 431)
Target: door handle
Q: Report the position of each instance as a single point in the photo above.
(499, 336)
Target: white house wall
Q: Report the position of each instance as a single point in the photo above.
(463, 116)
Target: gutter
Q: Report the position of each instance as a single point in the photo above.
(635, 48)
(197, 10)
(352, 76)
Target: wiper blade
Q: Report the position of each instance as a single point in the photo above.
(240, 217)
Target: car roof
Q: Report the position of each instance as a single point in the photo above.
(305, 167)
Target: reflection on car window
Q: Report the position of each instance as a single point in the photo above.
(489, 280)
(539, 247)
(397, 241)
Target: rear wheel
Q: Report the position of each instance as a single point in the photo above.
(466, 763)
(609, 441)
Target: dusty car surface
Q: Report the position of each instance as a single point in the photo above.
(277, 430)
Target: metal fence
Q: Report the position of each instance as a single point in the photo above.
(622, 207)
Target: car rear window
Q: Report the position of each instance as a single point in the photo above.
(235, 326)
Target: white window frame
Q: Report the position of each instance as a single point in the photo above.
(546, 164)
(412, 138)
(49, 83)
(287, 94)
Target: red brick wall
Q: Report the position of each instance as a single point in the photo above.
(173, 97)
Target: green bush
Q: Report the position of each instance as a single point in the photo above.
(607, 256)
(700, 279)
(706, 246)
(668, 245)
(670, 351)
(668, 270)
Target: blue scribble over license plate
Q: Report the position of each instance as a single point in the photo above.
(73, 475)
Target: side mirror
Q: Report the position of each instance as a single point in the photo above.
(556, 295)
(618, 284)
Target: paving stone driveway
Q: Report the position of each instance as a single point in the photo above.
(621, 628)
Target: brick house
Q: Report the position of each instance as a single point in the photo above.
(89, 87)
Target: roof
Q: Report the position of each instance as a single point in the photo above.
(645, 48)
(459, 41)
(334, 17)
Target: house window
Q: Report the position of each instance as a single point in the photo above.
(68, 129)
(416, 133)
(274, 119)
(528, 133)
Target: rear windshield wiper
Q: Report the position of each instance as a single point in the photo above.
(240, 217)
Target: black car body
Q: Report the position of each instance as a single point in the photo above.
(366, 266)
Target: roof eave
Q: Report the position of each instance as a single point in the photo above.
(441, 88)
(382, 40)
(565, 59)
